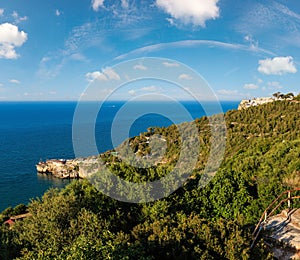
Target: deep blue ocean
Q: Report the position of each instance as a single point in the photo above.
(34, 131)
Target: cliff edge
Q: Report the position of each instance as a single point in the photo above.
(67, 169)
(246, 103)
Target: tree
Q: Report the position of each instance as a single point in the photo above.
(277, 94)
(211, 222)
(20, 209)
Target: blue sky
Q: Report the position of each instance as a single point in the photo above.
(54, 49)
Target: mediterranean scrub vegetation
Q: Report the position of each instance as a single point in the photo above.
(262, 159)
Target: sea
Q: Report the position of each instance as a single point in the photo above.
(36, 131)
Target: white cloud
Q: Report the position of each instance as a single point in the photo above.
(277, 66)
(259, 81)
(251, 86)
(150, 88)
(248, 38)
(253, 43)
(96, 4)
(45, 59)
(81, 38)
(170, 64)
(10, 37)
(111, 74)
(57, 12)
(171, 21)
(1, 11)
(227, 92)
(15, 81)
(185, 76)
(10, 34)
(274, 85)
(190, 11)
(124, 4)
(271, 18)
(140, 67)
(7, 51)
(18, 18)
(91, 76)
(78, 57)
(15, 14)
(286, 11)
(106, 74)
(132, 92)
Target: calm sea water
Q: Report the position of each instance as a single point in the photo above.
(34, 131)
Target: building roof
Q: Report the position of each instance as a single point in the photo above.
(9, 222)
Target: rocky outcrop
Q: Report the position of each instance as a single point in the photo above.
(63, 169)
(70, 169)
(282, 234)
(246, 103)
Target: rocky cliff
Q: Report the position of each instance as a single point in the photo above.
(67, 169)
(59, 168)
(282, 234)
(254, 102)
(246, 103)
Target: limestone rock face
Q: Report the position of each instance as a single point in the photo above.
(282, 234)
(63, 169)
(88, 166)
(70, 169)
(246, 103)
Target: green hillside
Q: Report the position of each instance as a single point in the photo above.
(262, 159)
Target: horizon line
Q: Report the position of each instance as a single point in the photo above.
(122, 100)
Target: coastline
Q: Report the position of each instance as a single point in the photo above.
(72, 168)
(36, 131)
